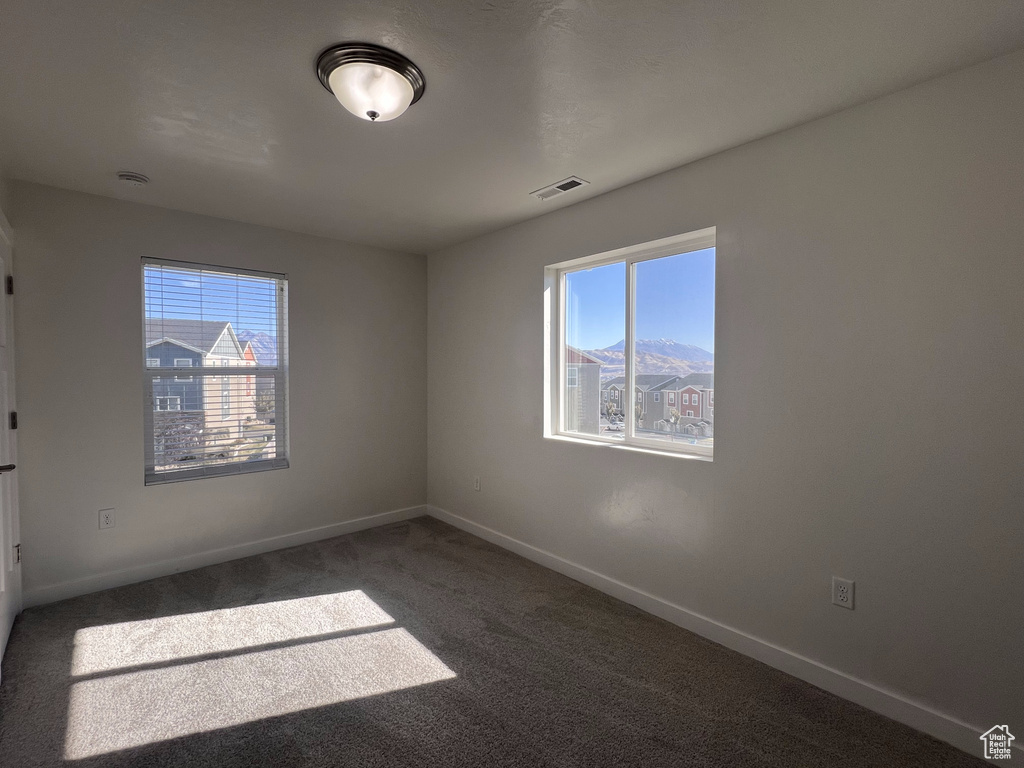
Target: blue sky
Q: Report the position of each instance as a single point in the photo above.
(675, 299)
(248, 303)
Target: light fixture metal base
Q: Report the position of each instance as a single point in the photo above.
(368, 53)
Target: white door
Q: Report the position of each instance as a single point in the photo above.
(10, 570)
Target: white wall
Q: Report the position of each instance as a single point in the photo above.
(869, 398)
(5, 193)
(357, 407)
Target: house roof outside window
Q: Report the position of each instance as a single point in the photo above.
(695, 380)
(574, 356)
(657, 382)
(199, 335)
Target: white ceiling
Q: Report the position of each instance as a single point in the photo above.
(219, 104)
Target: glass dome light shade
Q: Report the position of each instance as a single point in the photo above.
(371, 91)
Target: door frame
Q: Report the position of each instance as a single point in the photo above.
(11, 602)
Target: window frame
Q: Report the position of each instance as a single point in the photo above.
(213, 370)
(168, 399)
(177, 362)
(555, 362)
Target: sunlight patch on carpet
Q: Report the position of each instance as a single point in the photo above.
(142, 682)
(121, 711)
(129, 644)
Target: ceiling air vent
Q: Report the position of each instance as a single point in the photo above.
(559, 187)
(132, 178)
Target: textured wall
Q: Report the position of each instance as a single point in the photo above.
(874, 252)
(357, 419)
(5, 194)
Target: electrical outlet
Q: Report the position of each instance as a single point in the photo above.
(106, 518)
(476, 483)
(842, 592)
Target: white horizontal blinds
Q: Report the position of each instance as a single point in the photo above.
(216, 363)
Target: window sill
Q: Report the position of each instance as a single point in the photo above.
(225, 470)
(671, 454)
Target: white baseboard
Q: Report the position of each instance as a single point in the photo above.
(884, 702)
(51, 593)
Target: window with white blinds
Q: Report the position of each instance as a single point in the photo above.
(216, 370)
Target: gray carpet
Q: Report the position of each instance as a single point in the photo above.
(414, 644)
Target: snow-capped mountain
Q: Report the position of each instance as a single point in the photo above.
(655, 356)
(264, 346)
(667, 348)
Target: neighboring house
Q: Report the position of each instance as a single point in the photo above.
(614, 390)
(250, 357)
(667, 402)
(264, 352)
(583, 392)
(216, 406)
(649, 390)
(613, 395)
(687, 403)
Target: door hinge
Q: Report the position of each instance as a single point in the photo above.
(14, 419)
(10, 285)
(17, 553)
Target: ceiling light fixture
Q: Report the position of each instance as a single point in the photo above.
(371, 82)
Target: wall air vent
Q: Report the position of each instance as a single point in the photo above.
(559, 187)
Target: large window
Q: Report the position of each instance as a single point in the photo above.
(216, 362)
(639, 319)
